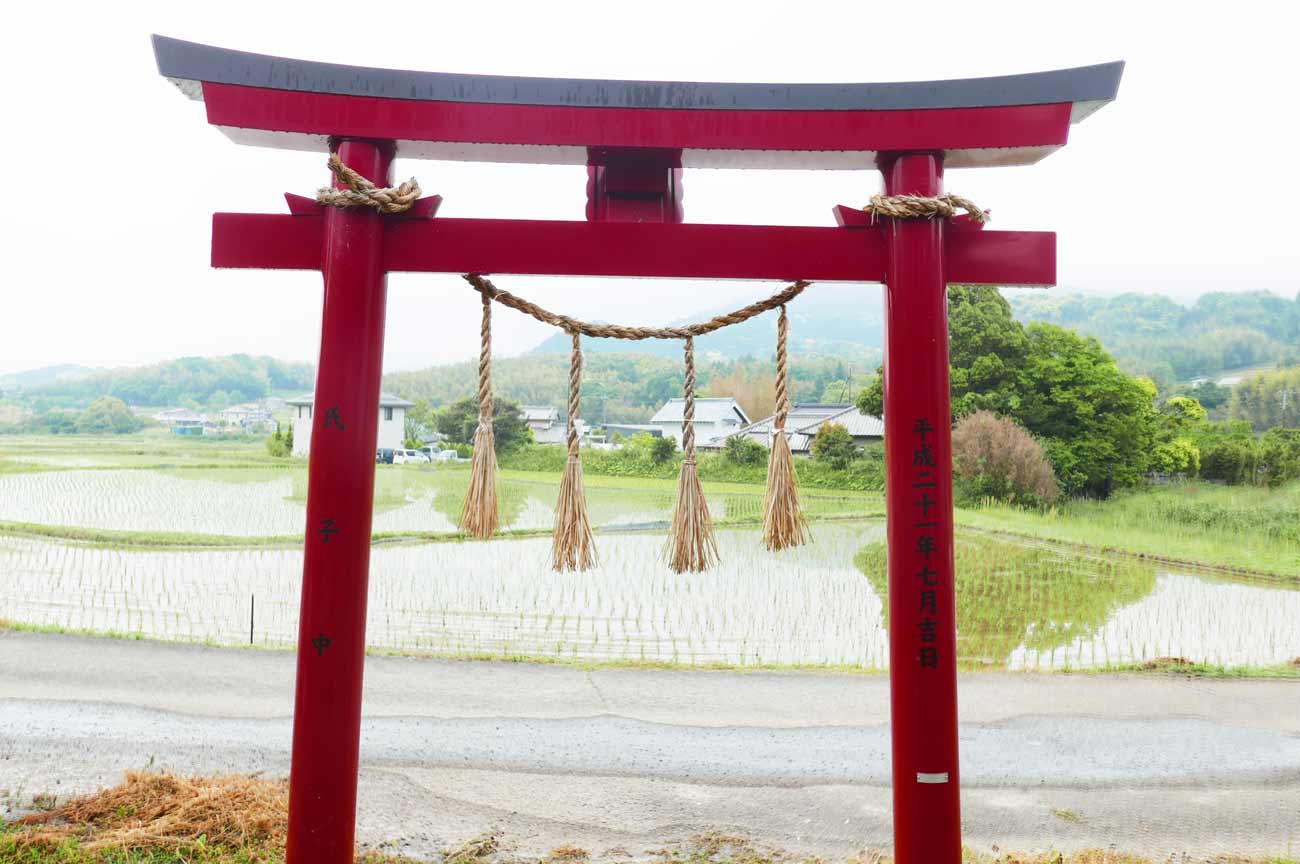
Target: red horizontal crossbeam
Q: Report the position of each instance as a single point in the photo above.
(701, 251)
(476, 124)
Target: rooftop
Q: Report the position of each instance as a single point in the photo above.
(708, 409)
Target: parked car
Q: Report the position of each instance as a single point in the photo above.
(409, 457)
(384, 456)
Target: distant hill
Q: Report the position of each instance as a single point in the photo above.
(1150, 334)
(830, 320)
(45, 375)
(203, 380)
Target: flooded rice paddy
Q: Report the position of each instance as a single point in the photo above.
(1019, 606)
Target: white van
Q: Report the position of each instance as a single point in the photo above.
(409, 457)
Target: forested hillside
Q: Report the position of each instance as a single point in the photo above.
(1155, 336)
(202, 381)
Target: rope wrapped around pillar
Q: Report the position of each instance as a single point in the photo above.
(479, 516)
(784, 524)
(691, 546)
(572, 547)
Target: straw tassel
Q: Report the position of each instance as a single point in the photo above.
(479, 517)
(573, 547)
(691, 546)
(783, 522)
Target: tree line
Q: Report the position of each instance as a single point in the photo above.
(194, 382)
(630, 388)
(1155, 336)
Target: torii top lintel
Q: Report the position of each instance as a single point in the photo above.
(1007, 120)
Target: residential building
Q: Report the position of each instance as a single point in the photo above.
(544, 421)
(806, 418)
(182, 421)
(392, 421)
(715, 418)
(250, 416)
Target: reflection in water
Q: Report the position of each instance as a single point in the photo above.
(1009, 594)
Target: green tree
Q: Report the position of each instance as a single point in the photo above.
(1279, 456)
(1178, 456)
(987, 350)
(459, 420)
(1183, 414)
(1210, 394)
(108, 415)
(1268, 399)
(421, 423)
(1097, 424)
(275, 443)
(834, 445)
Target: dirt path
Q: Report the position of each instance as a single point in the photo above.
(627, 759)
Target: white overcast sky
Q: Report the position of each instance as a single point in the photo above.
(1186, 184)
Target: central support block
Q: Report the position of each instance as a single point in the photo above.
(634, 185)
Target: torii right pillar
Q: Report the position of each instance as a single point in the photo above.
(918, 494)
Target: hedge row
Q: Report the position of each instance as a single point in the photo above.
(865, 474)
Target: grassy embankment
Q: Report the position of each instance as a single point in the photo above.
(1234, 528)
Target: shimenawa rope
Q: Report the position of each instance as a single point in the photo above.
(362, 193)
(478, 518)
(924, 207)
(618, 331)
(572, 547)
(783, 522)
(691, 546)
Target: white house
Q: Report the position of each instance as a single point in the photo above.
(715, 417)
(249, 415)
(545, 423)
(806, 418)
(392, 422)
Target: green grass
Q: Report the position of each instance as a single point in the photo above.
(1243, 528)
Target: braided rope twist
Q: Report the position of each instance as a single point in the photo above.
(688, 409)
(782, 371)
(485, 364)
(362, 193)
(618, 331)
(575, 385)
(923, 207)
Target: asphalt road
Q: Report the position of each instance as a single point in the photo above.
(626, 760)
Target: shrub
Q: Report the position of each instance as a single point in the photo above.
(1227, 461)
(998, 458)
(1179, 456)
(745, 451)
(1279, 456)
(834, 446)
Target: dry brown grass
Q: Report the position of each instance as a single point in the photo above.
(161, 811)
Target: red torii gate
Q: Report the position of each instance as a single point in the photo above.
(635, 137)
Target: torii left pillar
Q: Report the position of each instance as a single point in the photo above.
(340, 485)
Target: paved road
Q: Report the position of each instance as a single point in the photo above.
(624, 759)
